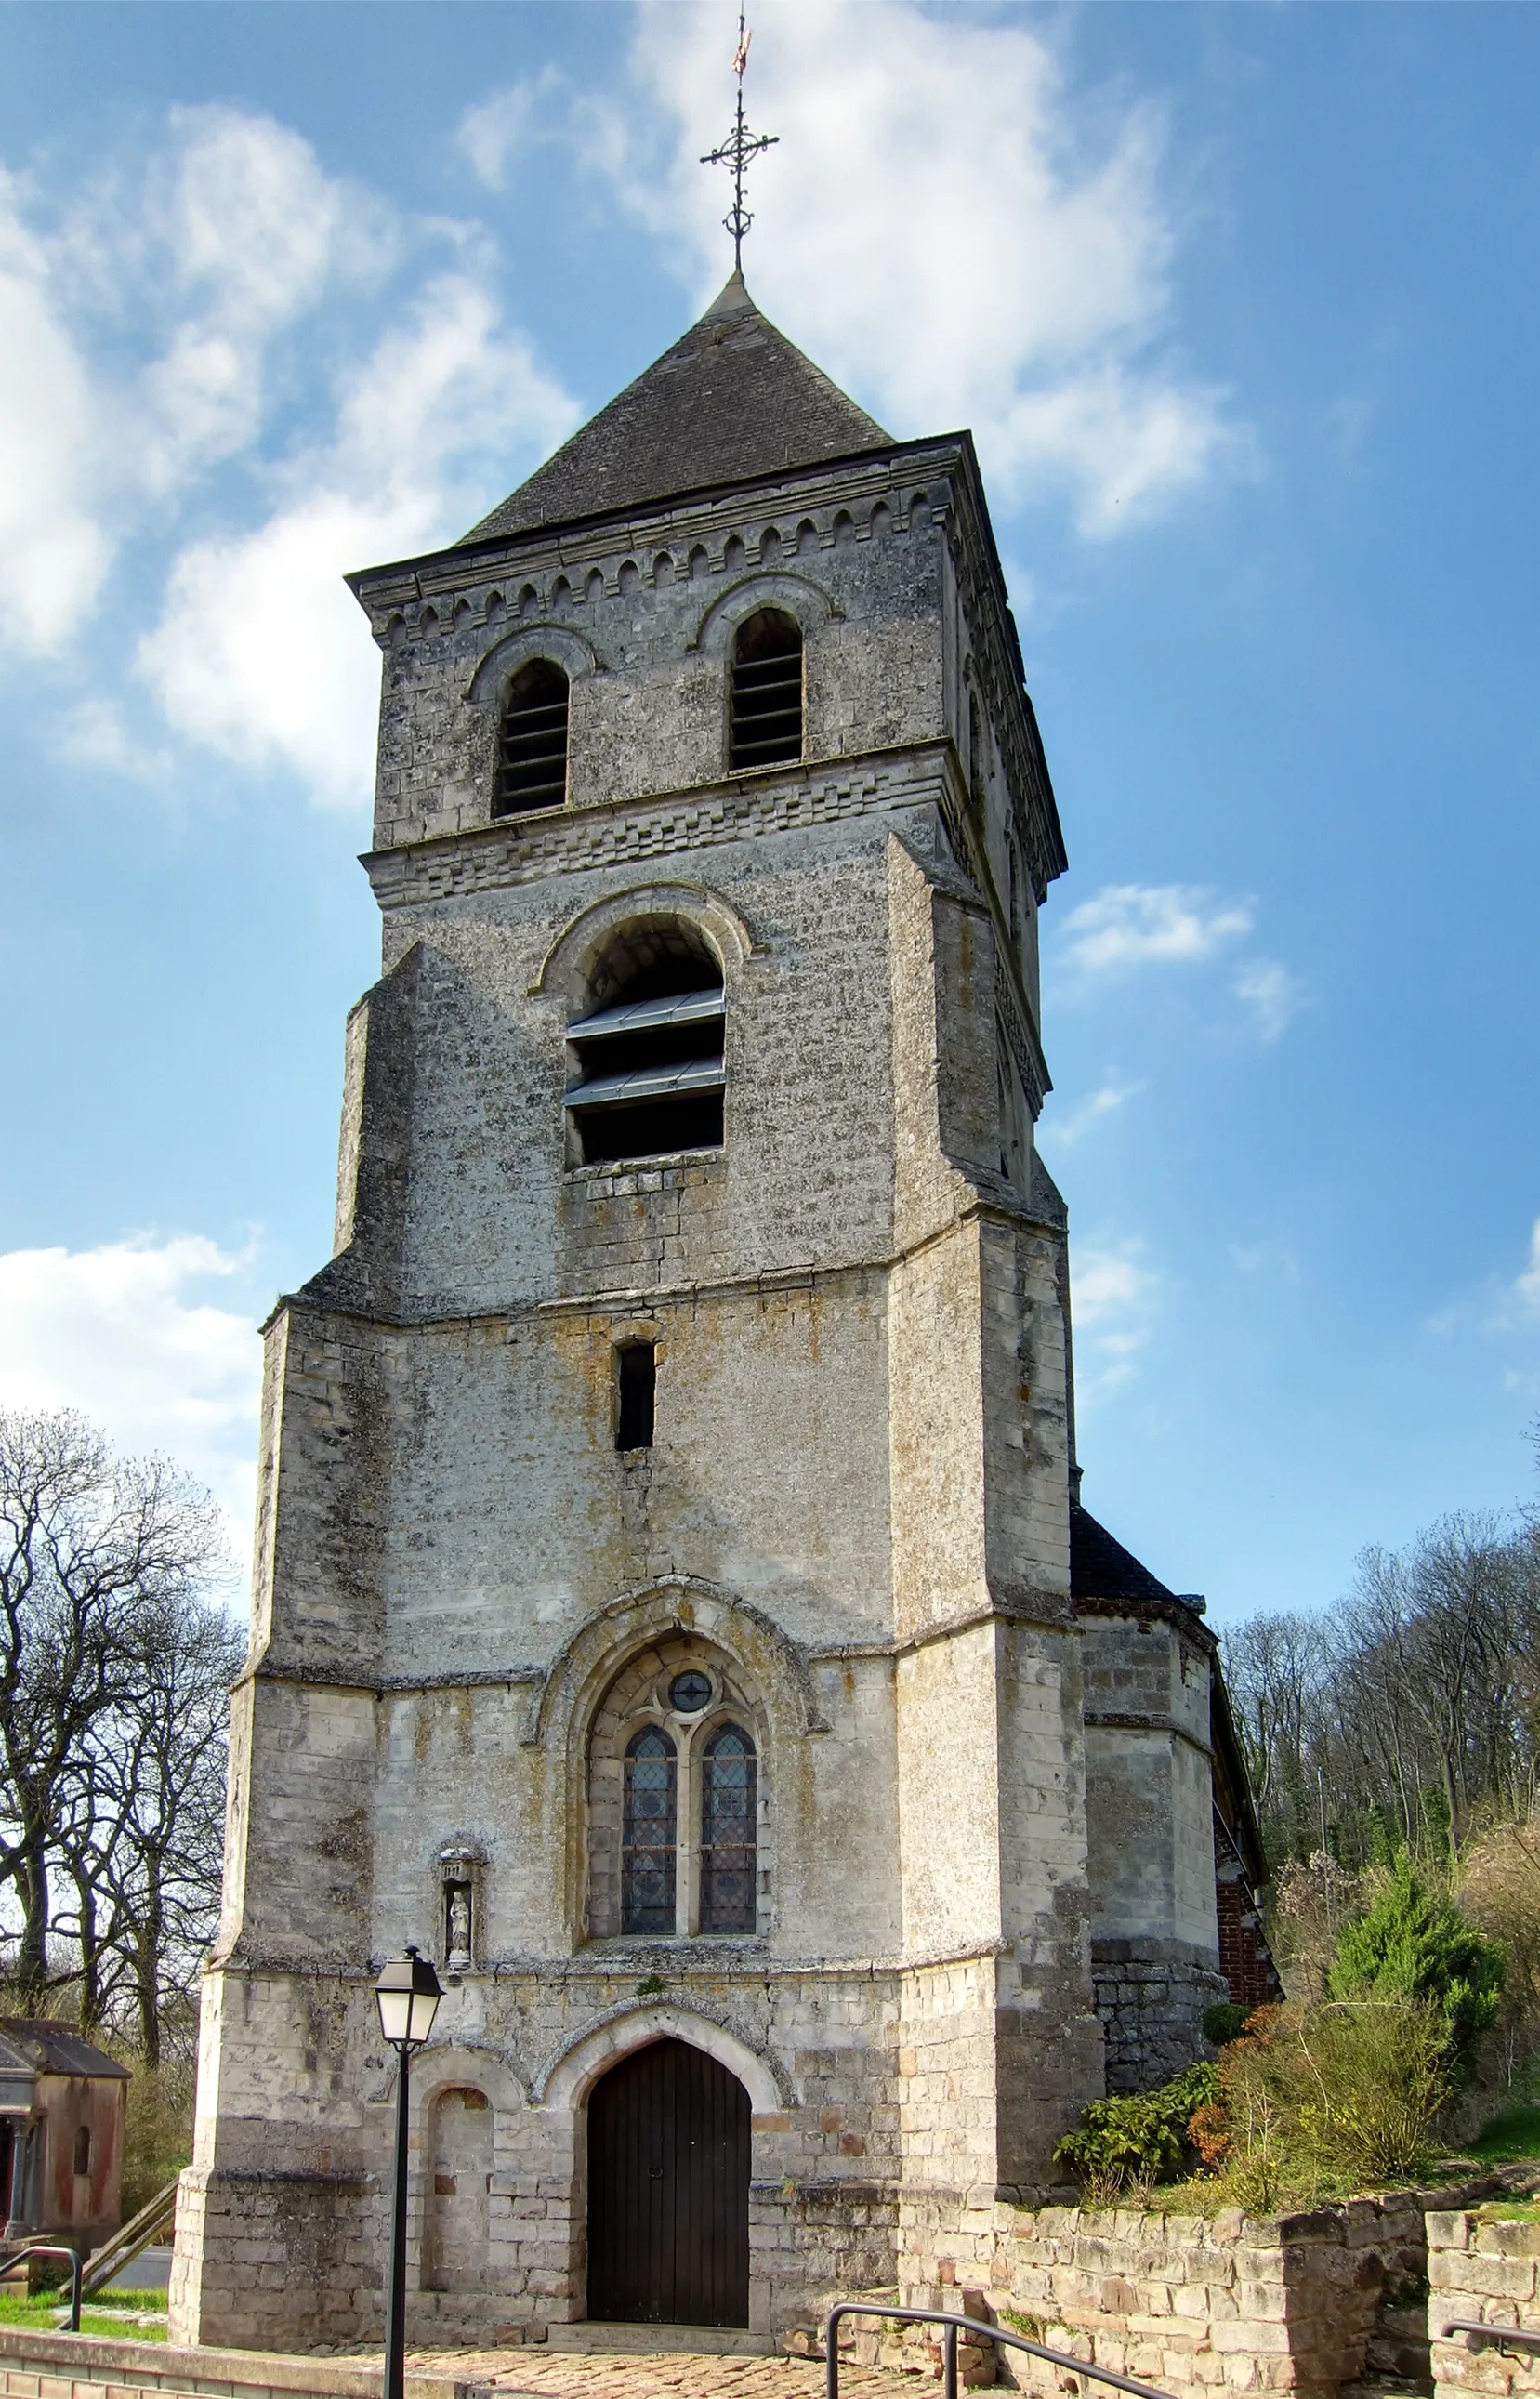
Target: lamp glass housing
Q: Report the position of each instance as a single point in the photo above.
(407, 1995)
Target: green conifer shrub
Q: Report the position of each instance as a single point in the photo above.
(1414, 1944)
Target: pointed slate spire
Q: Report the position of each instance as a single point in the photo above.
(734, 400)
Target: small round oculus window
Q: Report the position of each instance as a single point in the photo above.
(689, 1692)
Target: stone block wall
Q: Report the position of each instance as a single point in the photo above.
(1482, 2270)
(1151, 1996)
(1309, 2302)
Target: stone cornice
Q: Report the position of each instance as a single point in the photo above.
(713, 509)
(626, 832)
(1174, 1611)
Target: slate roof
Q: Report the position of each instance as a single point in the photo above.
(1102, 1568)
(733, 400)
(51, 2048)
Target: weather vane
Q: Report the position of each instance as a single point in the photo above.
(736, 151)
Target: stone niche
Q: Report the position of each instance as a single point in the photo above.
(462, 1864)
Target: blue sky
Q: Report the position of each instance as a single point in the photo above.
(1242, 305)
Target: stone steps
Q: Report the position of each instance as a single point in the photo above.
(656, 2339)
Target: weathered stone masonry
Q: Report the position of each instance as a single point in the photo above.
(982, 1854)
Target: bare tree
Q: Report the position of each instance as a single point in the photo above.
(94, 1552)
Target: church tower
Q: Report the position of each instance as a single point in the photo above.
(664, 1613)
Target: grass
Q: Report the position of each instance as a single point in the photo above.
(1510, 2138)
(112, 2313)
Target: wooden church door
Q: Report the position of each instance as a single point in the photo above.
(668, 2190)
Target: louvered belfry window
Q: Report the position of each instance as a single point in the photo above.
(649, 1839)
(728, 1846)
(765, 702)
(532, 741)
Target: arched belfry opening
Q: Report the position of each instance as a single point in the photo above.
(649, 1045)
(668, 2166)
(532, 741)
(765, 696)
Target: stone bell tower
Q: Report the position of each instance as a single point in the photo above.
(663, 1610)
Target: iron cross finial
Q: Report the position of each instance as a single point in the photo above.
(736, 151)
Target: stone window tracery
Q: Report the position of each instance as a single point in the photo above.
(727, 1844)
(648, 1856)
(677, 1826)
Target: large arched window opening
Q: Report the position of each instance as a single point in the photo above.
(650, 1056)
(764, 703)
(727, 1843)
(649, 1846)
(679, 1838)
(532, 741)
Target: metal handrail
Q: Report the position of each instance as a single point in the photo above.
(954, 2324)
(49, 2249)
(1500, 2333)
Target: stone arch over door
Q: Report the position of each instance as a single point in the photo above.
(667, 2190)
(459, 2134)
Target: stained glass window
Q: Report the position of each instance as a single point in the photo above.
(727, 1834)
(650, 1834)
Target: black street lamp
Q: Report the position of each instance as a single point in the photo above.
(407, 1995)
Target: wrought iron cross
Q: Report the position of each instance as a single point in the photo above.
(736, 151)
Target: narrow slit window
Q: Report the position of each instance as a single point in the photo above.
(636, 1382)
(649, 1840)
(532, 741)
(83, 2150)
(727, 1845)
(765, 702)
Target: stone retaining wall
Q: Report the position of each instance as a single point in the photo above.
(1309, 2302)
(1484, 2272)
(83, 2366)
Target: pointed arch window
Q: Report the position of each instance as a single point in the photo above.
(765, 704)
(727, 1846)
(650, 1834)
(532, 741)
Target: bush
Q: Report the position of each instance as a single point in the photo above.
(1414, 1946)
(1142, 2137)
(1332, 2097)
(1499, 1892)
(1226, 2021)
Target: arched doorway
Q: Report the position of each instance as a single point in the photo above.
(668, 2190)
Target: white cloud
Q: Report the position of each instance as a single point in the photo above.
(1144, 924)
(261, 651)
(1094, 1109)
(254, 231)
(94, 733)
(495, 134)
(124, 1333)
(1527, 1287)
(214, 257)
(940, 225)
(1264, 1258)
(53, 551)
(1272, 992)
(1114, 1297)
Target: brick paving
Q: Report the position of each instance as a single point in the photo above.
(663, 2374)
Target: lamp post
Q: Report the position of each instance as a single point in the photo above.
(407, 1995)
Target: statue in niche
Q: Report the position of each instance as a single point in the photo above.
(458, 1920)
